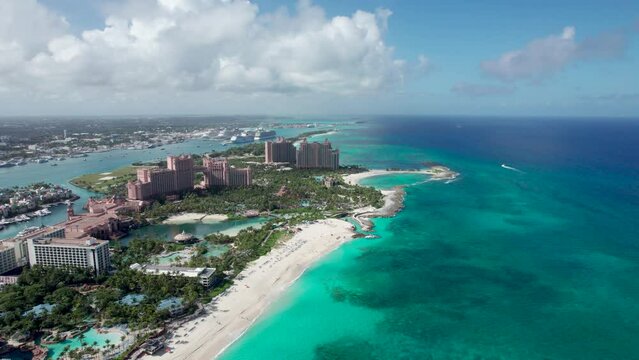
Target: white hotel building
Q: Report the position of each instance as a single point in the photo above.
(55, 248)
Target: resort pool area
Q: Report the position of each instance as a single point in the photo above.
(200, 230)
(214, 250)
(91, 338)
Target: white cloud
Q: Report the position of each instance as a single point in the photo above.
(195, 45)
(546, 56)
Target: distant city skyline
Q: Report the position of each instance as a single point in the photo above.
(330, 57)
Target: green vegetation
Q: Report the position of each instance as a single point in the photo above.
(112, 183)
(77, 297)
(39, 285)
(300, 191)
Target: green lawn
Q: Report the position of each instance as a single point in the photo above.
(109, 183)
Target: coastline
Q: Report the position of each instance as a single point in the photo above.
(262, 283)
(393, 198)
(233, 312)
(436, 173)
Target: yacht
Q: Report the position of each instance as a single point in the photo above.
(21, 218)
(42, 212)
(6, 164)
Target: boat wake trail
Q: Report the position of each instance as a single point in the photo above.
(512, 168)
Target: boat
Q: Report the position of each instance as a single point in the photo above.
(42, 212)
(20, 162)
(21, 218)
(54, 164)
(6, 164)
(242, 139)
(4, 221)
(264, 135)
(41, 161)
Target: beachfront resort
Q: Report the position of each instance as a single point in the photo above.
(151, 288)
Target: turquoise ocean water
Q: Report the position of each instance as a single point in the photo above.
(539, 263)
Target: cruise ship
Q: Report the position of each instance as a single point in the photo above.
(242, 139)
(264, 135)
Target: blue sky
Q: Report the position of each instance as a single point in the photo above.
(563, 62)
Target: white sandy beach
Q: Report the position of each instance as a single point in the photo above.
(259, 285)
(393, 198)
(435, 173)
(189, 218)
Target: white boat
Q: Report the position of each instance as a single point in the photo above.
(21, 218)
(43, 212)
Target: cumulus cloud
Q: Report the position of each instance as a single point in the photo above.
(546, 56)
(477, 90)
(196, 45)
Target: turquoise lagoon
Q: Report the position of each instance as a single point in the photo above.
(200, 230)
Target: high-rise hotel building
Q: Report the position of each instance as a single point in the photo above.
(13, 254)
(218, 172)
(56, 248)
(279, 151)
(179, 176)
(317, 155)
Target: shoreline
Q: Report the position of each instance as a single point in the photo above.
(231, 314)
(437, 173)
(258, 286)
(393, 198)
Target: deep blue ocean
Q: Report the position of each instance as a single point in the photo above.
(535, 260)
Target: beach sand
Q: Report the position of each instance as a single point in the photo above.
(259, 285)
(189, 218)
(435, 173)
